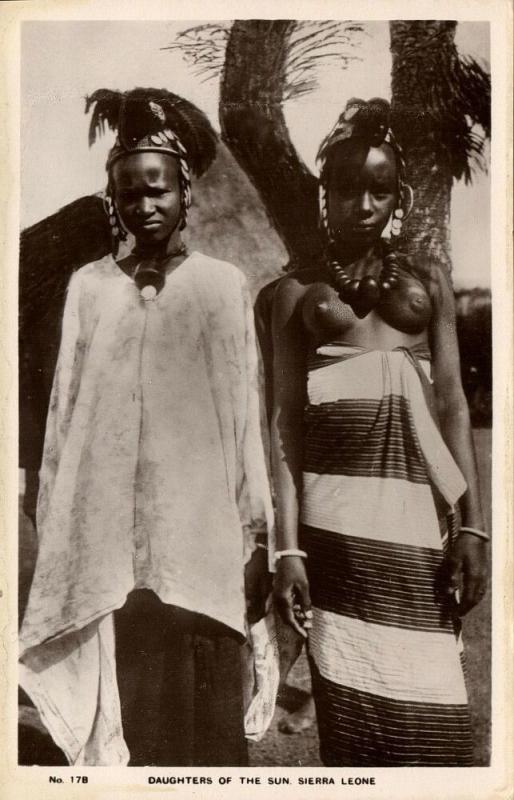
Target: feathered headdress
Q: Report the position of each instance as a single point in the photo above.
(144, 117)
(152, 120)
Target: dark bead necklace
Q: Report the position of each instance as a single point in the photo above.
(364, 294)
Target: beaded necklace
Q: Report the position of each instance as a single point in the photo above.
(364, 294)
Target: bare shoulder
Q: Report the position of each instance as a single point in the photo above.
(428, 270)
(293, 286)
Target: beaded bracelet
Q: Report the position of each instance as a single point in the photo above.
(475, 532)
(292, 552)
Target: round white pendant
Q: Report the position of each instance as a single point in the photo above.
(148, 293)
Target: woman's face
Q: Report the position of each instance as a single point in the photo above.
(362, 193)
(147, 194)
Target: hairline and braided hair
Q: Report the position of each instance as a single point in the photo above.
(152, 120)
(367, 122)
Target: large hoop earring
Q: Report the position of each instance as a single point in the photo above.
(410, 203)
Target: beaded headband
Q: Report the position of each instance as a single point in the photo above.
(161, 140)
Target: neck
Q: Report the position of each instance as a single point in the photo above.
(160, 250)
(348, 253)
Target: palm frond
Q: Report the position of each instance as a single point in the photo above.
(473, 85)
(316, 44)
(203, 46)
(461, 101)
(454, 114)
(310, 45)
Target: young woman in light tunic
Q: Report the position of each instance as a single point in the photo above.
(153, 485)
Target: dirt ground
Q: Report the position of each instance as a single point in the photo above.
(301, 750)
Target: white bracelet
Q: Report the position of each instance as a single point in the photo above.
(260, 546)
(292, 552)
(475, 532)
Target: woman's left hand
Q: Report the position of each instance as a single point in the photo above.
(258, 582)
(467, 568)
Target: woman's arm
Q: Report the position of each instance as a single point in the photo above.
(467, 559)
(289, 394)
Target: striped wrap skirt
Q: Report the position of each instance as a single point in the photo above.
(378, 483)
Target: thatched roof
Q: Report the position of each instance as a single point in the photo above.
(228, 220)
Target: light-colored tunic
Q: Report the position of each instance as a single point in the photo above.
(153, 467)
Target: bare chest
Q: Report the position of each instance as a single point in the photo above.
(401, 313)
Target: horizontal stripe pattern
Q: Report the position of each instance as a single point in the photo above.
(385, 645)
(376, 376)
(409, 665)
(378, 582)
(361, 729)
(383, 509)
(368, 438)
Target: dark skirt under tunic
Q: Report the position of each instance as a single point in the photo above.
(180, 684)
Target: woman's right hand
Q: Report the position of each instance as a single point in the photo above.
(291, 594)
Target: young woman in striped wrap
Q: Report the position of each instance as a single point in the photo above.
(375, 471)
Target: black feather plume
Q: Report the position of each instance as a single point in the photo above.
(132, 116)
(105, 113)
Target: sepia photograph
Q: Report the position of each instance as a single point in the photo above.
(255, 398)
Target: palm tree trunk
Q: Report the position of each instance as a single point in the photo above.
(423, 54)
(254, 127)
